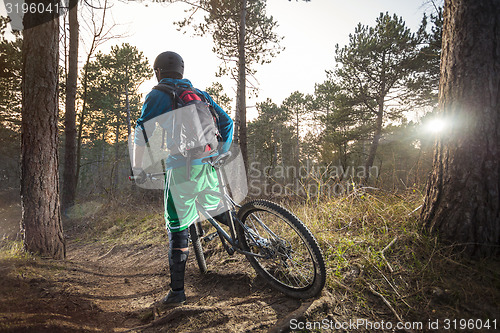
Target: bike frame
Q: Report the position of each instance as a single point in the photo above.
(229, 206)
(300, 274)
(229, 209)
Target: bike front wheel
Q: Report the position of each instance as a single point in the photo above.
(286, 253)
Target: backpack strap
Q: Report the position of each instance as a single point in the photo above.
(172, 92)
(169, 90)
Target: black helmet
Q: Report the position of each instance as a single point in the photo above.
(169, 63)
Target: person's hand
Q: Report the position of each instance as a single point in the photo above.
(140, 175)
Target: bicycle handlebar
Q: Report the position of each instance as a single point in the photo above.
(218, 160)
(215, 162)
(148, 176)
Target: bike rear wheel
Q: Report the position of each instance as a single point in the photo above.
(195, 233)
(289, 257)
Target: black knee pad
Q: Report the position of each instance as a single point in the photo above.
(177, 262)
(178, 240)
(178, 256)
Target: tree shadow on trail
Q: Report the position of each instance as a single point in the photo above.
(39, 304)
(54, 296)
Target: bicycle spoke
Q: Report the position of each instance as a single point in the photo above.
(285, 252)
(271, 236)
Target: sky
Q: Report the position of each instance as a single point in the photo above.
(310, 30)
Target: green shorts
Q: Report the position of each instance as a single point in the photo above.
(181, 195)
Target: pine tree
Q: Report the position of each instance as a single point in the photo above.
(243, 36)
(113, 100)
(462, 201)
(296, 107)
(375, 68)
(10, 78)
(41, 222)
(70, 143)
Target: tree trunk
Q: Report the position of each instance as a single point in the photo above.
(462, 199)
(96, 40)
(297, 129)
(127, 109)
(41, 221)
(379, 122)
(129, 120)
(70, 154)
(83, 114)
(82, 119)
(116, 163)
(241, 109)
(374, 145)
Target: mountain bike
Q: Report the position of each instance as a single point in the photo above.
(277, 244)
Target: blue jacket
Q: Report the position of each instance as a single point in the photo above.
(158, 103)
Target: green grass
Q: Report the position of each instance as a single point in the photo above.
(122, 223)
(377, 253)
(381, 265)
(12, 250)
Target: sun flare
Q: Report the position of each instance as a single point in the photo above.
(436, 125)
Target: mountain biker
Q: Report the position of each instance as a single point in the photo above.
(180, 209)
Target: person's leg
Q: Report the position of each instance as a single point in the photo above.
(212, 203)
(180, 213)
(178, 255)
(178, 247)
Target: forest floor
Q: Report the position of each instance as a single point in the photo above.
(117, 267)
(110, 285)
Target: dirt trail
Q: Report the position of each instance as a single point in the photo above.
(103, 289)
(123, 282)
(111, 287)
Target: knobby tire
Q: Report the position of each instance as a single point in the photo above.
(295, 264)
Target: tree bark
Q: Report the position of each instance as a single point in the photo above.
(70, 144)
(379, 123)
(297, 129)
(41, 219)
(241, 109)
(129, 121)
(462, 200)
(374, 145)
(116, 164)
(81, 120)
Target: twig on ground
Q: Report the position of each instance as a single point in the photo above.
(174, 313)
(340, 284)
(376, 293)
(108, 253)
(413, 211)
(385, 249)
(392, 286)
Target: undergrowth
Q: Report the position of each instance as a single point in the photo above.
(381, 265)
(12, 249)
(128, 221)
(384, 266)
